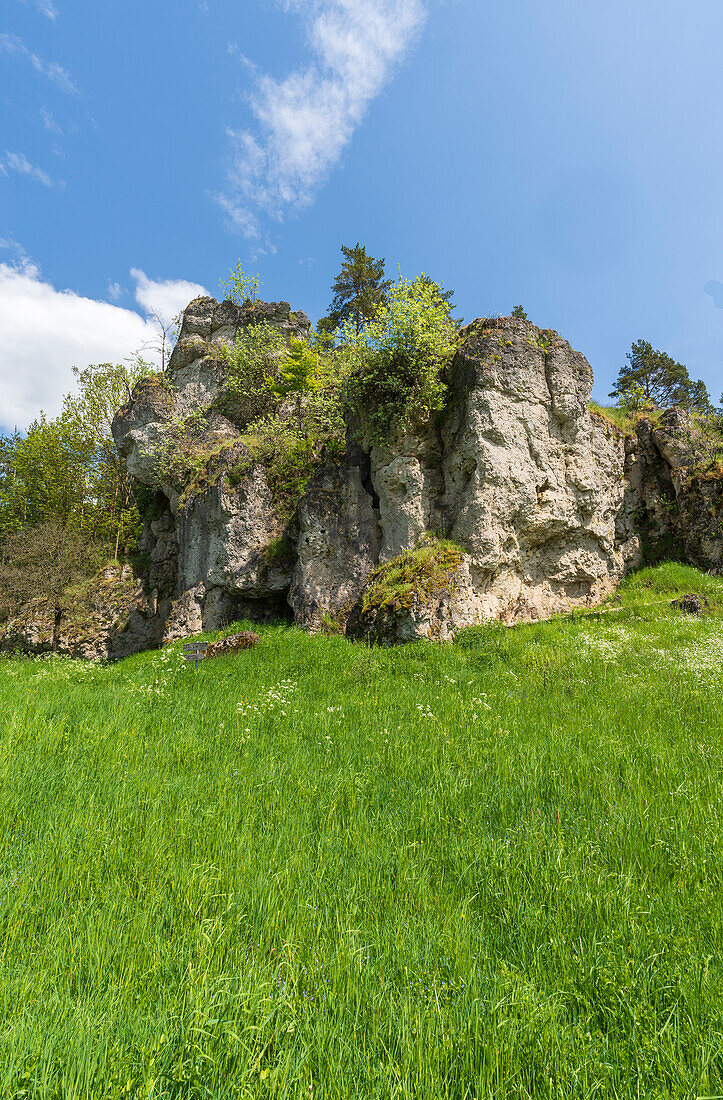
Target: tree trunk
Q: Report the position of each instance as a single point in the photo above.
(56, 628)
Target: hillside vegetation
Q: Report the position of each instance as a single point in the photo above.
(491, 869)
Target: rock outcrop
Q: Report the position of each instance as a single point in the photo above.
(676, 485)
(516, 471)
(544, 504)
(109, 618)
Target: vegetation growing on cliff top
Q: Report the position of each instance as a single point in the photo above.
(653, 379)
(483, 870)
(359, 290)
(400, 356)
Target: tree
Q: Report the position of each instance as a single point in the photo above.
(440, 296)
(359, 289)
(656, 378)
(44, 473)
(69, 467)
(41, 563)
(102, 389)
(297, 375)
(401, 353)
(519, 311)
(240, 287)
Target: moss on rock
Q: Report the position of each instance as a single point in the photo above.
(412, 577)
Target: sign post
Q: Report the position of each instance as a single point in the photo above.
(195, 652)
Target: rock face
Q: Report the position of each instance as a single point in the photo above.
(678, 492)
(549, 503)
(111, 618)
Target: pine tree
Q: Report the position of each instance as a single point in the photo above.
(659, 379)
(359, 288)
(519, 311)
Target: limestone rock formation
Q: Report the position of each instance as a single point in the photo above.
(678, 489)
(549, 503)
(108, 619)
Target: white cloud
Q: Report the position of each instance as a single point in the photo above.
(115, 291)
(46, 7)
(18, 162)
(47, 331)
(305, 121)
(164, 299)
(50, 123)
(11, 44)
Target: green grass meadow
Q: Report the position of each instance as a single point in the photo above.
(319, 869)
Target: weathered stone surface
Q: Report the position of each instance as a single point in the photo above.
(518, 472)
(194, 380)
(427, 593)
(105, 621)
(677, 493)
(338, 540)
(550, 502)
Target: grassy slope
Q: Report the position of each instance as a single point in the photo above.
(487, 870)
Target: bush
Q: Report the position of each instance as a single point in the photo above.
(289, 459)
(400, 356)
(253, 359)
(289, 448)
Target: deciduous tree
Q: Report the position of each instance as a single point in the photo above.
(41, 563)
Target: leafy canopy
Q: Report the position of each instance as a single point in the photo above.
(240, 287)
(297, 375)
(69, 467)
(42, 563)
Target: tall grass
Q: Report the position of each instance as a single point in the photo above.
(491, 869)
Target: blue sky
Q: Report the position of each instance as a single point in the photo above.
(562, 155)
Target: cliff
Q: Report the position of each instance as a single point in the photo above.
(547, 503)
(514, 503)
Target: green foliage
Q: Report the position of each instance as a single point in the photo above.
(69, 467)
(290, 450)
(181, 450)
(653, 379)
(615, 415)
(443, 298)
(400, 357)
(42, 563)
(412, 874)
(279, 550)
(519, 311)
(359, 290)
(289, 459)
(297, 375)
(253, 360)
(240, 287)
